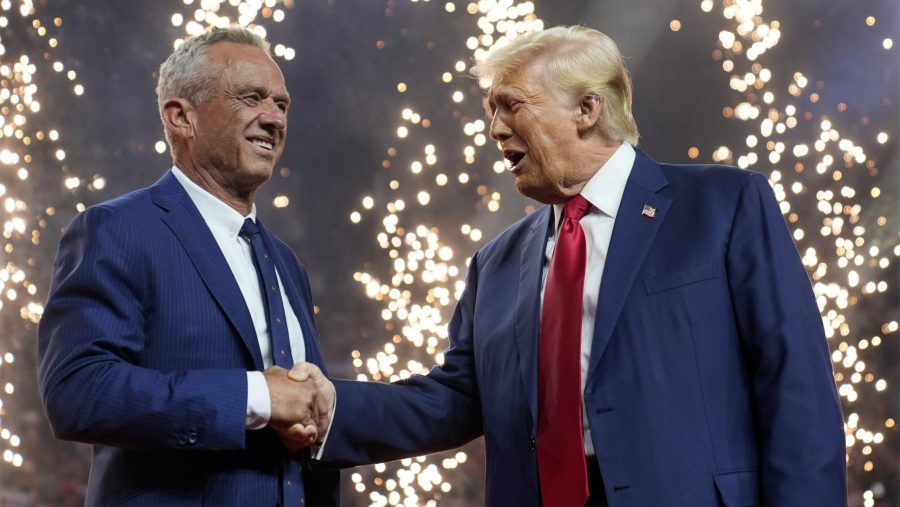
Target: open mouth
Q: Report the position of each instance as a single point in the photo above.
(263, 143)
(515, 158)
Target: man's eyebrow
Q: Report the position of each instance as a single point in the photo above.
(251, 89)
(488, 105)
(264, 92)
(496, 95)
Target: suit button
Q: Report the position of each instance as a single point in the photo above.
(182, 441)
(192, 437)
(533, 445)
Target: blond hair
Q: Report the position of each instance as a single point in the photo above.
(580, 61)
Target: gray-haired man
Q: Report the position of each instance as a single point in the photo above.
(173, 313)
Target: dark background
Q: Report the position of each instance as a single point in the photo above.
(343, 121)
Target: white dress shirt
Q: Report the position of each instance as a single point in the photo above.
(604, 191)
(225, 224)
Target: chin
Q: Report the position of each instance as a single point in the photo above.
(541, 193)
(256, 176)
(530, 189)
(261, 171)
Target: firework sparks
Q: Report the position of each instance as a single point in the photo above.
(845, 255)
(424, 275)
(825, 183)
(27, 144)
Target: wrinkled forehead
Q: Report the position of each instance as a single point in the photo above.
(247, 64)
(528, 79)
(504, 79)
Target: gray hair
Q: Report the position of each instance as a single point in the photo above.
(580, 61)
(186, 73)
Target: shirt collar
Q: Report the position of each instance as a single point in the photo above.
(220, 217)
(605, 188)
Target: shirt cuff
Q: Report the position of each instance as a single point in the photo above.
(319, 449)
(259, 404)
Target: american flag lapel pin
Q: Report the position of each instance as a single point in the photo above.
(649, 211)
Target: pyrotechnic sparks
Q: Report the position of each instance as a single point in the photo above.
(825, 183)
(198, 16)
(424, 276)
(27, 141)
(28, 146)
(846, 255)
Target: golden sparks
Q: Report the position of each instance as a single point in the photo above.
(422, 275)
(819, 181)
(198, 16)
(824, 177)
(27, 144)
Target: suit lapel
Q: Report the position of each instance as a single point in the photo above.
(295, 290)
(528, 308)
(632, 236)
(188, 225)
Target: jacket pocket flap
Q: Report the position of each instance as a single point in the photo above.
(738, 489)
(695, 273)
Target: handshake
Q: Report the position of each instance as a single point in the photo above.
(302, 402)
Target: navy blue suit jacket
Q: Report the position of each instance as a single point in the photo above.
(710, 379)
(144, 348)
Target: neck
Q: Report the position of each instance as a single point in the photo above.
(595, 155)
(598, 153)
(241, 202)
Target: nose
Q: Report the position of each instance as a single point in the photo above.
(500, 131)
(273, 117)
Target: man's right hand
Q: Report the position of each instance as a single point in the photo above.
(306, 372)
(295, 408)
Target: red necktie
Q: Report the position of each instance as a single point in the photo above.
(560, 438)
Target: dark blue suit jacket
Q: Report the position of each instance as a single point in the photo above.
(144, 348)
(710, 379)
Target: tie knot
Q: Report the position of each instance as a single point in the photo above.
(249, 229)
(576, 208)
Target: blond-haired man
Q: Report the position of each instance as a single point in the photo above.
(648, 338)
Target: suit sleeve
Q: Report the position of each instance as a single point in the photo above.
(376, 422)
(90, 342)
(798, 413)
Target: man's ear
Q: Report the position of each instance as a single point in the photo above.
(590, 109)
(177, 115)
